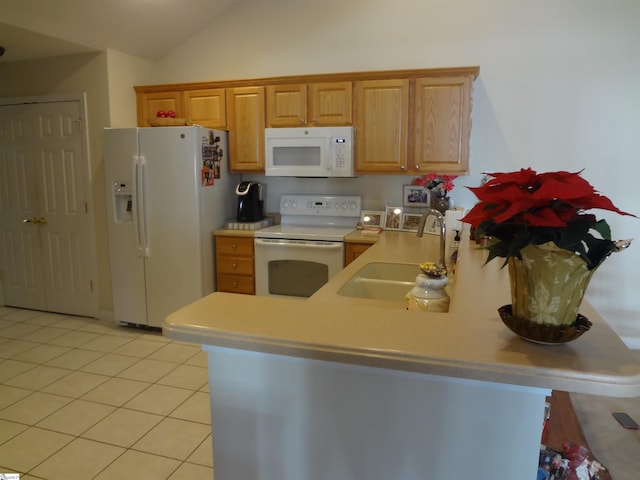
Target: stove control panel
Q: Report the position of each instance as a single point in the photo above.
(321, 205)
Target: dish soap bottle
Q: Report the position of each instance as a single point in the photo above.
(429, 294)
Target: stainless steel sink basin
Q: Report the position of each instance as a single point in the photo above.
(382, 281)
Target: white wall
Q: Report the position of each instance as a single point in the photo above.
(557, 88)
(124, 71)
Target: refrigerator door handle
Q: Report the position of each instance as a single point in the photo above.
(139, 212)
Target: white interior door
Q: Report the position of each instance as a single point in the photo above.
(44, 215)
(21, 252)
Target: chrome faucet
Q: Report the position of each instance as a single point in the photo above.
(440, 217)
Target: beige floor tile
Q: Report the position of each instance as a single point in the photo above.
(30, 410)
(192, 472)
(74, 338)
(101, 327)
(109, 364)
(115, 391)
(186, 376)
(123, 427)
(75, 359)
(140, 348)
(79, 460)
(147, 370)
(17, 330)
(46, 319)
(73, 323)
(19, 315)
(15, 347)
(12, 368)
(198, 360)
(157, 336)
(106, 343)
(46, 334)
(203, 455)
(173, 438)
(175, 353)
(159, 399)
(75, 384)
(76, 417)
(29, 448)
(139, 465)
(42, 353)
(130, 332)
(38, 378)
(10, 395)
(196, 408)
(9, 430)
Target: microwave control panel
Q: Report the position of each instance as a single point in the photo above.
(321, 205)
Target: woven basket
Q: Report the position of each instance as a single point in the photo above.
(167, 122)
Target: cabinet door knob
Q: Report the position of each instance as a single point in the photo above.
(234, 265)
(234, 246)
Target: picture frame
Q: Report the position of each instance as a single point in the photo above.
(415, 196)
(432, 225)
(372, 218)
(410, 221)
(393, 218)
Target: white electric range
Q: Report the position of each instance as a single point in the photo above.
(298, 256)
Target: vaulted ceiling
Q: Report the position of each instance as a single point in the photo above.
(32, 29)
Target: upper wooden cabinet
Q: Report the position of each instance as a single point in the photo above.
(407, 122)
(245, 118)
(413, 126)
(316, 104)
(149, 104)
(206, 107)
(382, 125)
(442, 124)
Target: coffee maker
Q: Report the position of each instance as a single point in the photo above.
(250, 201)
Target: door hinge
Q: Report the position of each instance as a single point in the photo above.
(91, 285)
(86, 207)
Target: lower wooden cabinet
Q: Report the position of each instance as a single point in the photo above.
(353, 250)
(235, 265)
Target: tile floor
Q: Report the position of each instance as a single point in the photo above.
(618, 449)
(84, 399)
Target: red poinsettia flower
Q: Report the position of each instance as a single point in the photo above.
(525, 207)
(440, 184)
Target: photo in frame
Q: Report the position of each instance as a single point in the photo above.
(415, 196)
(372, 218)
(410, 222)
(393, 218)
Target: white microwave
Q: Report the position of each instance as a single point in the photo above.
(309, 152)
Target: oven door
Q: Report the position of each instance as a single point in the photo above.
(295, 268)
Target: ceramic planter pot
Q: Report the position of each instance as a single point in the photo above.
(547, 288)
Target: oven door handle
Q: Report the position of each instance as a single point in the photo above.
(298, 243)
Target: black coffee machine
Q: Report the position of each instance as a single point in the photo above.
(250, 201)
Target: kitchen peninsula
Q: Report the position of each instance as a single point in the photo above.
(350, 388)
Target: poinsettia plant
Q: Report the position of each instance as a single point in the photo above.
(525, 208)
(439, 185)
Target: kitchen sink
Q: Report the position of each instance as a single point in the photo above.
(382, 281)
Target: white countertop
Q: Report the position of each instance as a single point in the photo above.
(468, 342)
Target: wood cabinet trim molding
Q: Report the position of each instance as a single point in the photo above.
(312, 78)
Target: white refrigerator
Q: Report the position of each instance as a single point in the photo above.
(168, 188)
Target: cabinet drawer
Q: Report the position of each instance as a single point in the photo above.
(236, 284)
(237, 246)
(235, 265)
